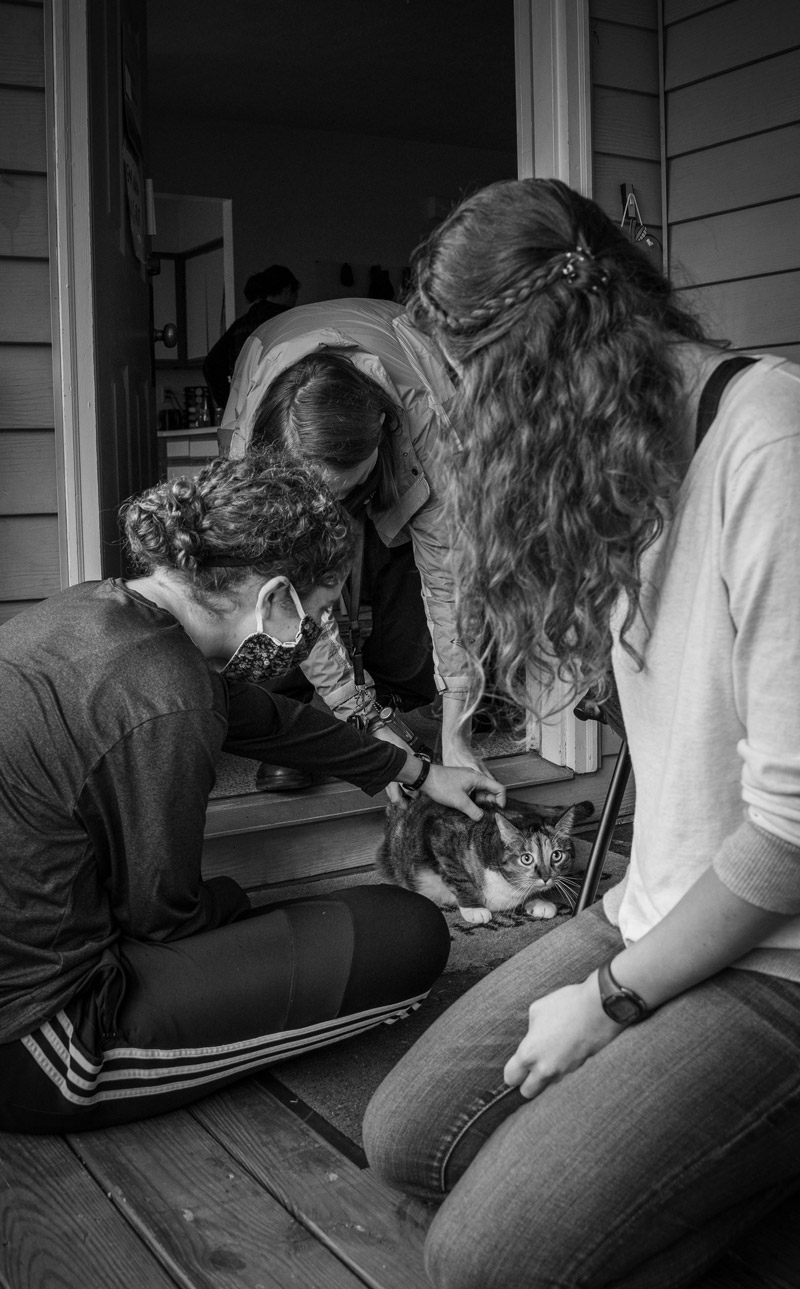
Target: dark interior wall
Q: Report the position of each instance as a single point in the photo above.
(302, 196)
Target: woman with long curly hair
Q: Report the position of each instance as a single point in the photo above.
(129, 985)
(622, 1099)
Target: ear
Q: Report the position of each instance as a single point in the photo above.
(270, 597)
(508, 833)
(564, 825)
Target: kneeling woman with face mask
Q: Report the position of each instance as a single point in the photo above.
(128, 985)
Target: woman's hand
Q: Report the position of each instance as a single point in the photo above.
(451, 787)
(565, 1028)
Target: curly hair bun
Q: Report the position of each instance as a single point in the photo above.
(266, 513)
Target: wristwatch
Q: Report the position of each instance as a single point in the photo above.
(623, 1005)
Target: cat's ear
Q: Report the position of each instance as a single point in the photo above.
(509, 835)
(574, 814)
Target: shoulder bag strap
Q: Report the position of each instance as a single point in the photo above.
(713, 391)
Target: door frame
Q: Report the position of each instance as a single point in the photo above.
(554, 141)
(72, 308)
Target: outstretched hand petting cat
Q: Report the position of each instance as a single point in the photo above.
(451, 786)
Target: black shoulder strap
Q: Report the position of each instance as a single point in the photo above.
(713, 391)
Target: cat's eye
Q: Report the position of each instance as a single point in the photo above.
(556, 856)
(526, 858)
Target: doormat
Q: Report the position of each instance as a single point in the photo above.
(331, 1087)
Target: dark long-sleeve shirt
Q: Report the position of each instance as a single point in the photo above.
(111, 724)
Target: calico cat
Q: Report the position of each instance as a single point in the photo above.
(501, 861)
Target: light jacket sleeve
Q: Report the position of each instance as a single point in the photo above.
(330, 671)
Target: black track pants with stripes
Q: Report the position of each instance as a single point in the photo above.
(199, 1013)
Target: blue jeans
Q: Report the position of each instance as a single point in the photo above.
(637, 1170)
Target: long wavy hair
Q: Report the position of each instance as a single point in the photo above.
(328, 412)
(264, 514)
(567, 408)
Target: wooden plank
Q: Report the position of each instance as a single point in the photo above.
(209, 1223)
(636, 13)
(10, 608)
(745, 102)
(25, 292)
(754, 314)
(645, 177)
(763, 168)
(790, 352)
(59, 1227)
(722, 39)
(21, 45)
(626, 124)
(26, 387)
(23, 215)
(376, 1231)
(333, 798)
(624, 57)
(30, 567)
(677, 10)
(268, 858)
(23, 135)
(744, 243)
(27, 472)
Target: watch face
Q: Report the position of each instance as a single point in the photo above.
(622, 1009)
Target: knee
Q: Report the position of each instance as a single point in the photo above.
(463, 1257)
(384, 1134)
(401, 944)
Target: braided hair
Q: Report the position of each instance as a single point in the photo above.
(263, 514)
(568, 403)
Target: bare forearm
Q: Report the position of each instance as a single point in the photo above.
(708, 929)
(456, 736)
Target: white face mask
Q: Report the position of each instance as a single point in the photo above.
(261, 657)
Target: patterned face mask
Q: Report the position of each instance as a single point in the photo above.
(262, 657)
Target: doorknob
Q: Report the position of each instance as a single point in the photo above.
(168, 335)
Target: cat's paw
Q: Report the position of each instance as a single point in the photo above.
(475, 916)
(541, 909)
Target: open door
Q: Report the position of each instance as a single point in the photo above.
(105, 393)
(124, 374)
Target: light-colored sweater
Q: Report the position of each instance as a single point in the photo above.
(713, 718)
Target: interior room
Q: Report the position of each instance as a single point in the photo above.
(339, 133)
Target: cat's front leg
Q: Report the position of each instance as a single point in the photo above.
(475, 916)
(541, 909)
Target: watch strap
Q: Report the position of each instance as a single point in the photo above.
(612, 991)
(423, 774)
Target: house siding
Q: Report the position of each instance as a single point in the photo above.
(626, 117)
(29, 551)
(732, 109)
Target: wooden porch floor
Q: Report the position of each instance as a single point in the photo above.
(238, 1192)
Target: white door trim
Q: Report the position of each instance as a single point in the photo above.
(554, 141)
(72, 310)
(554, 88)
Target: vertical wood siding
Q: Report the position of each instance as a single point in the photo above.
(29, 559)
(732, 84)
(626, 132)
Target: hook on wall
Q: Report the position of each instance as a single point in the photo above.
(631, 215)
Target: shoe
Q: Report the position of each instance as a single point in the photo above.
(280, 778)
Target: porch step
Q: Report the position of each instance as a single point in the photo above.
(262, 839)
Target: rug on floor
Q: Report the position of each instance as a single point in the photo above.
(337, 1082)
